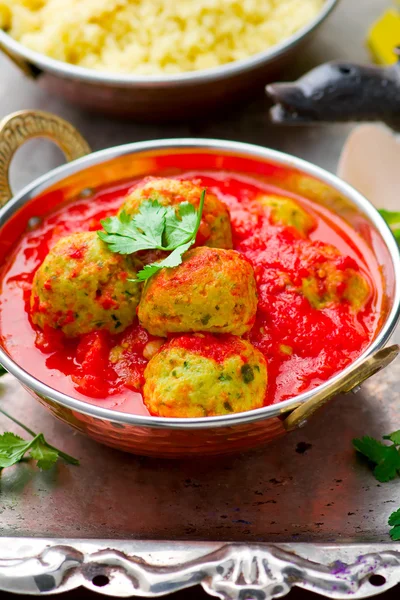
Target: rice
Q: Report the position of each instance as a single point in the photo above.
(150, 37)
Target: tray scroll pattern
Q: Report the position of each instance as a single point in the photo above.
(232, 572)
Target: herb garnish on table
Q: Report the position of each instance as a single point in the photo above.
(385, 460)
(13, 448)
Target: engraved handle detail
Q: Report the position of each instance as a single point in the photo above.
(371, 365)
(18, 128)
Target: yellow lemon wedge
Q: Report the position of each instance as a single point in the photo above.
(384, 36)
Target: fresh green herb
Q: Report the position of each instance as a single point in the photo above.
(173, 260)
(144, 231)
(393, 437)
(180, 229)
(394, 522)
(154, 227)
(13, 448)
(2, 370)
(387, 465)
(385, 458)
(393, 220)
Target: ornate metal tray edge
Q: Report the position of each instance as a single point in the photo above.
(226, 571)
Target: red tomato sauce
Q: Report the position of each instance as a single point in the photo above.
(321, 342)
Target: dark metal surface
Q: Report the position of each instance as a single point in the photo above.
(309, 486)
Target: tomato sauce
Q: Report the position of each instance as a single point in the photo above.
(303, 346)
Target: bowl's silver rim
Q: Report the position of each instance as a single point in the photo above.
(188, 78)
(253, 151)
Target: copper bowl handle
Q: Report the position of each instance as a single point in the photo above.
(371, 365)
(19, 127)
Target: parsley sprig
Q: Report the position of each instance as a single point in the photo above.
(13, 448)
(386, 459)
(386, 465)
(394, 522)
(2, 370)
(154, 227)
(393, 220)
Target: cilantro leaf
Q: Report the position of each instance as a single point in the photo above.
(13, 448)
(125, 234)
(147, 272)
(150, 227)
(395, 533)
(394, 522)
(386, 458)
(389, 466)
(122, 244)
(393, 437)
(44, 454)
(394, 518)
(173, 260)
(392, 218)
(370, 447)
(2, 370)
(387, 461)
(179, 227)
(150, 219)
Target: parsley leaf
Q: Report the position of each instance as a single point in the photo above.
(45, 455)
(179, 228)
(386, 458)
(393, 437)
(393, 220)
(154, 227)
(13, 449)
(151, 220)
(2, 370)
(394, 522)
(173, 260)
(387, 461)
(125, 234)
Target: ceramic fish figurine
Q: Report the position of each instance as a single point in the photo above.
(339, 91)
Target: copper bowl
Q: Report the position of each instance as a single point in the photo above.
(160, 97)
(224, 434)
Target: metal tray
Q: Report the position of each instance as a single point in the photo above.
(293, 513)
(290, 508)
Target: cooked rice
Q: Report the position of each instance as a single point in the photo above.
(153, 36)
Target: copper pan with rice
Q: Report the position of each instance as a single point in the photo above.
(155, 59)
